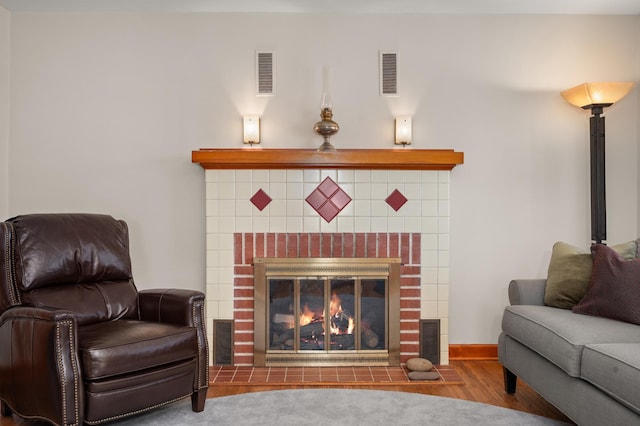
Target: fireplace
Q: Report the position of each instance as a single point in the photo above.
(270, 203)
(327, 311)
(302, 264)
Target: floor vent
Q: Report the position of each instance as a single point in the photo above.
(222, 342)
(430, 340)
(265, 73)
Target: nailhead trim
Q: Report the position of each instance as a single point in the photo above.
(14, 295)
(198, 324)
(63, 379)
(131, 413)
(76, 375)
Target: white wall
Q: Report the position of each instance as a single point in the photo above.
(5, 53)
(106, 109)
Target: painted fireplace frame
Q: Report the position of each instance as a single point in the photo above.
(233, 175)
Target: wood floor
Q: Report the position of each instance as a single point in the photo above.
(482, 383)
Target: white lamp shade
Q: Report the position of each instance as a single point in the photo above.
(251, 129)
(403, 130)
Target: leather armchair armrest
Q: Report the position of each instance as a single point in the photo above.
(41, 372)
(180, 307)
(172, 306)
(527, 292)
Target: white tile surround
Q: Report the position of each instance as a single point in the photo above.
(229, 210)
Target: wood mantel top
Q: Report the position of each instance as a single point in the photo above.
(387, 159)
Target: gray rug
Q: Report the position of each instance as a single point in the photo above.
(338, 407)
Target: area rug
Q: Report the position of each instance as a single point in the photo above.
(336, 406)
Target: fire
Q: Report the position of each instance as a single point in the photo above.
(336, 329)
(340, 321)
(306, 316)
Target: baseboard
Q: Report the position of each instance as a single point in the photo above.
(473, 352)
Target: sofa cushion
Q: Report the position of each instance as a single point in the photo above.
(125, 346)
(560, 335)
(569, 272)
(614, 368)
(614, 288)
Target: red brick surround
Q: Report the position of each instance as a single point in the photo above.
(301, 245)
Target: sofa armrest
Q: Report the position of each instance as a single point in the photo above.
(527, 292)
(180, 307)
(41, 372)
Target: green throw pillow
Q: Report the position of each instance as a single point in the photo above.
(570, 270)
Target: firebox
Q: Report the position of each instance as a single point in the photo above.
(327, 311)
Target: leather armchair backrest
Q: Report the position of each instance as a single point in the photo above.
(53, 249)
(77, 262)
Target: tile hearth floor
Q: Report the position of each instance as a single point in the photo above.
(226, 374)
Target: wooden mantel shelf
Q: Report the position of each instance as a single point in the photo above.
(387, 159)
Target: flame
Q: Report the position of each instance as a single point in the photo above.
(335, 308)
(306, 316)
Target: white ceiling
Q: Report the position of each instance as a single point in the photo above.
(589, 7)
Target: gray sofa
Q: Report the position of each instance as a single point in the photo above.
(586, 366)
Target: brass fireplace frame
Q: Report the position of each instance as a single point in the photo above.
(387, 268)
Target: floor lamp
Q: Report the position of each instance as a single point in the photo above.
(596, 97)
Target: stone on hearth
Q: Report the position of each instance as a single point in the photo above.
(419, 364)
(423, 375)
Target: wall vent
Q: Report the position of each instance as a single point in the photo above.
(388, 74)
(222, 342)
(430, 340)
(265, 73)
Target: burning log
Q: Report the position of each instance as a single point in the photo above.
(282, 328)
(369, 338)
(312, 330)
(282, 338)
(342, 323)
(287, 319)
(312, 336)
(342, 341)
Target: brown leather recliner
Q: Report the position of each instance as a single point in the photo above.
(78, 342)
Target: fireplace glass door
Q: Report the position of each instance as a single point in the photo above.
(327, 314)
(326, 311)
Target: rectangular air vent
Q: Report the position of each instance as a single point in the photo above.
(222, 342)
(265, 73)
(430, 340)
(388, 73)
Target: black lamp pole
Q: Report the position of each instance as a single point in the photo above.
(596, 97)
(598, 198)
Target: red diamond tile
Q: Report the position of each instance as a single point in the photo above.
(328, 199)
(328, 211)
(260, 199)
(340, 199)
(396, 200)
(328, 187)
(316, 199)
